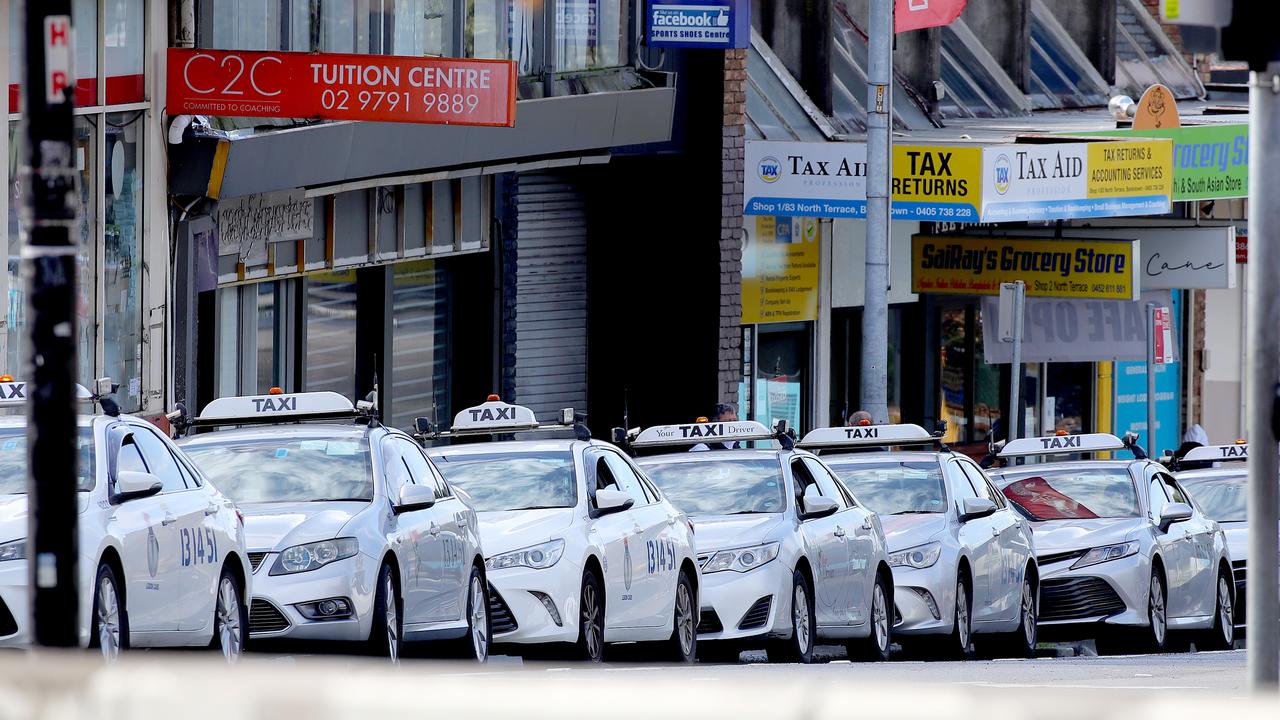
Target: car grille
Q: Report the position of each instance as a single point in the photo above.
(8, 625)
(1078, 599)
(501, 619)
(255, 560)
(758, 615)
(1043, 560)
(709, 622)
(266, 618)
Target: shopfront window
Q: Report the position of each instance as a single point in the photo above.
(268, 375)
(590, 34)
(331, 333)
(782, 374)
(419, 343)
(84, 18)
(970, 399)
(122, 257)
(124, 48)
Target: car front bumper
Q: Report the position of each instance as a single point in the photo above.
(14, 605)
(913, 591)
(518, 614)
(738, 606)
(274, 615)
(1111, 593)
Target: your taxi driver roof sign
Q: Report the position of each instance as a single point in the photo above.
(903, 434)
(1062, 445)
(495, 415)
(694, 433)
(269, 408)
(1238, 451)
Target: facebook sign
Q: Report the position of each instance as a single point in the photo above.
(717, 24)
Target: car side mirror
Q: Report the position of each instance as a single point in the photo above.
(415, 497)
(973, 508)
(132, 485)
(422, 425)
(612, 501)
(818, 506)
(1174, 513)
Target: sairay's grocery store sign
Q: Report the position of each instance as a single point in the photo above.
(341, 87)
(796, 179)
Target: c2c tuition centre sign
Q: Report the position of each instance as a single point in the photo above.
(698, 24)
(330, 86)
(1078, 180)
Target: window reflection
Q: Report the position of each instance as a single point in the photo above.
(122, 257)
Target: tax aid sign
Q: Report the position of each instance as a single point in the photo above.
(698, 23)
(328, 86)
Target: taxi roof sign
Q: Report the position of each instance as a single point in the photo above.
(289, 407)
(860, 435)
(495, 416)
(15, 393)
(1205, 453)
(1062, 445)
(695, 433)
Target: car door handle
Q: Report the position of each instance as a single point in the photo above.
(434, 529)
(637, 530)
(839, 531)
(211, 510)
(995, 532)
(867, 524)
(168, 520)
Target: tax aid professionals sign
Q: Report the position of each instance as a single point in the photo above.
(381, 88)
(962, 265)
(691, 24)
(829, 180)
(1210, 162)
(1076, 180)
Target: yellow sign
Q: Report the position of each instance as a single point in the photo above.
(936, 183)
(1130, 169)
(961, 265)
(780, 270)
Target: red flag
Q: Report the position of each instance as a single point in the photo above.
(919, 14)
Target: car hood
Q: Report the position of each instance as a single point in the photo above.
(904, 531)
(718, 532)
(13, 515)
(276, 526)
(504, 530)
(1055, 536)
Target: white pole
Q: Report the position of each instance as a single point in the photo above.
(1152, 451)
(1012, 431)
(875, 307)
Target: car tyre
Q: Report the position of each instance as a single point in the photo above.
(799, 647)
(1154, 638)
(110, 631)
(479, 639)
(876, 646)
(1222, 635)
(960, 644)
(683, 645)
(590, 645)
(387, 629)
(230, 618)
(1021, 643)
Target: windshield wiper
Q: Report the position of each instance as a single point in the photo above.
(538, 507)
(916, 512)
(749, 512)
(347, 499)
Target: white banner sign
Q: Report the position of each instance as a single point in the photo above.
(805, 179)
(1075, 330)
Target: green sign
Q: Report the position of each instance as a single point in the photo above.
(1209, 161)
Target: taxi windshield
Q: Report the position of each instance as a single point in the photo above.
(1071, 494)
(1222, 498)
(895, 488)
(721, 487)
(13, 460)
(512, 481)
(280, 468)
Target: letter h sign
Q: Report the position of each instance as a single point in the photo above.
(57, 58)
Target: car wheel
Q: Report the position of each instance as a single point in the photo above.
(230, 618)
(799, 647)
(961, 644)
(876, 646)
(684, 633)
(1157, 614)
(110, 618)
(590, 646)
(385, 635)
(1222, 635)
(1021, 643)
(479, 628)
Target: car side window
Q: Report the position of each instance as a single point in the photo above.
(395, 470)
(1158, 497)
(628, 481)
(963, 486)
(159, 459)
(981, 483)
(827, 484)
(129, 459)
(420, 470)
(1173, 490)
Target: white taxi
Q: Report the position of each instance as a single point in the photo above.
(353, 535)
(582, 549)
(788, 555)
(162, 558)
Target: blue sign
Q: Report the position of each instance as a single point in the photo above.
(1131, 398)
(716, 24)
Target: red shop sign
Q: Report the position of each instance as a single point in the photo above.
(327, 86)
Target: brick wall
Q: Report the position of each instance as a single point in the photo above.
(1153, 6)
(732, 235)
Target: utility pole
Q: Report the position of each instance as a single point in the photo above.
(49, 259)
(875, 305)
(1152, 450)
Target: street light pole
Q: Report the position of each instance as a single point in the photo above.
(49, 259)
(875, 306)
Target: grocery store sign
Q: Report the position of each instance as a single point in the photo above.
(1210, 162)
(706, 24)
(1076, 180)
(960, 265)
(332, 86)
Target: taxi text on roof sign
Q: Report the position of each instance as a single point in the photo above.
(1075, 268)
(495, 415)
(1062, 445)
(903, 434)
(694, 433)
(15, 393)
(261, 408)
(1218, 452)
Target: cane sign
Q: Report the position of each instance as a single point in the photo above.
(445, 91)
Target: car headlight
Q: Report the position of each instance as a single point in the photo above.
(741, 559)
(920, 556)
(312, 556)
(537, 557)
(16, 550)
(1106, 553)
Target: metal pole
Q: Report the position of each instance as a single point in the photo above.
(49, 257)
(1264, 372)
(1015, 369)
(1151, 381)
(875, 307)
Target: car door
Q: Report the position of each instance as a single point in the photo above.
(417, 549)
(981, 537)
(827, 538)
(621, 539)
(860, 542)
(445, 601)
(1011, 545)
(1199, 533)
(1175, 546)
(653, 590)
